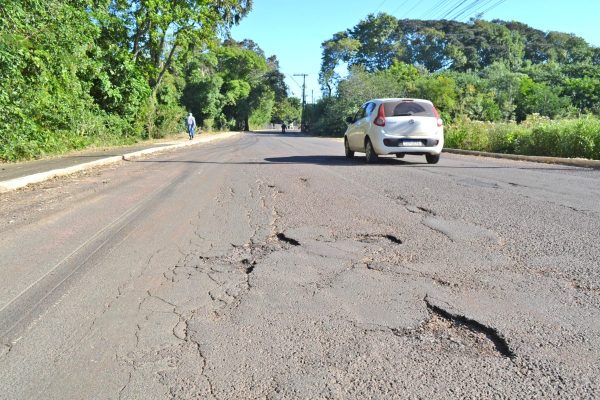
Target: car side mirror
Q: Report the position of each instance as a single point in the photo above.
(350, 120)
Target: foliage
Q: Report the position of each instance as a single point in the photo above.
(287, 110)
(332, 112)
(75, 73)
(486, 78)
(380, 40)
(536, 136)
(40, 62)
(539, 98)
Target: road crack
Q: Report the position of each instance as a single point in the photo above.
(492, 334)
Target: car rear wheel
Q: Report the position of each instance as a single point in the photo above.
(432, 158)
(370, 154)
(349, 153)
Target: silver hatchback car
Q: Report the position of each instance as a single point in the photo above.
(395, 126)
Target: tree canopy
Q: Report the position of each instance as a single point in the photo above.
(481, 70)
(380, 40)
(80, 72)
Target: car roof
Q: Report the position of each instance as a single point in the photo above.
(386, 100)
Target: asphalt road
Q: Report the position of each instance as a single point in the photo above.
(269, 266)
(16, 170)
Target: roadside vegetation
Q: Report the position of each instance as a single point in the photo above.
(75, 73)
(500, 86)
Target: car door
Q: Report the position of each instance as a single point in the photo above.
(356, 137)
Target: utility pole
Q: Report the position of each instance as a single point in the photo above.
(302, 127)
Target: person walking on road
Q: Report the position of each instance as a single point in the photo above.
(283, 127)
(191, 125)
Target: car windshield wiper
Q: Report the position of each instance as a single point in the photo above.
(403, 115)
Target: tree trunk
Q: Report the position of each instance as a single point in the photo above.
(159, 50)
(138, 34)
(166, 65)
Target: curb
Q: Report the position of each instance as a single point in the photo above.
(575, 162)
(17, 183)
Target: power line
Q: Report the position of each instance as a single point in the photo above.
(476, 9)
(467, 8)
(412, 8)
(401, 5)
(465, 11)
(454, 9)
(433, 8)
(494, 6)
(449, 9)
(295, 81)
(443, 10)
(381, 5)
(302, 126)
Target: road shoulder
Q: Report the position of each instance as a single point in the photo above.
(20, 182)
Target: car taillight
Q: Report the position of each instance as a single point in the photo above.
(437, 116)
(380, 120)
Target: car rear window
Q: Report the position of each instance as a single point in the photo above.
(408, 109)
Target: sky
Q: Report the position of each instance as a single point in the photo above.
(293, 30)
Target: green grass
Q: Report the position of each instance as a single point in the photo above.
(571, 138)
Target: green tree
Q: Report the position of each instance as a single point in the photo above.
(441, 90)
(429, 48)
(380, 43)
(475, 100)
(505, 85)
(202, 92)
(155, 30)
(287, 110)
(44, 105)
(584, 93)
(339, 49)
(244, 86)
(538, 98)
(567, 48)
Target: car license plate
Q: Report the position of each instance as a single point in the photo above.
(412, 143)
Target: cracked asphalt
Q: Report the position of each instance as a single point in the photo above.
(270, 267)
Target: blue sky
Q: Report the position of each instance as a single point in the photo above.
(294, 29)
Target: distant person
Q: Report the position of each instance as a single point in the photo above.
(283, 126)
(191, 125)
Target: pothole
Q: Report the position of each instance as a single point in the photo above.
(393, 239)
(377, 238)
(281, 237)
(248, 266)
(426, 210)
(460, 321)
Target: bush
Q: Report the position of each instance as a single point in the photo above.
(536, 136)
(331, 113)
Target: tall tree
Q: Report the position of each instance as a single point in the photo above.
(244, 87)
(154, 30)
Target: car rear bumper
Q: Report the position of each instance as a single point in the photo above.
(408, 145)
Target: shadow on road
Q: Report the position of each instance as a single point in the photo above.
(289, 134)
(328, 160)
(333, 160)
(386, 161)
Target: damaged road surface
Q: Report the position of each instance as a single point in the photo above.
(270, 267)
